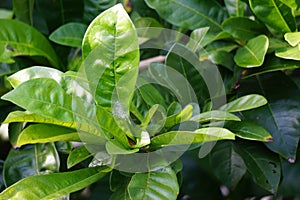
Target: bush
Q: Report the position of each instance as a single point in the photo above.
(150, 99)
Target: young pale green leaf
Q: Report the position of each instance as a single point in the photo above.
(23, 10)
(253, 53)
(292, 53)
(235, 7)
(33, 73)
(263, 165)
(6, 14)
(292, 38)
(249, 131)
(226, 164)
(182, 116)
(70, 34)
(215, 115)
(189, 137)
(14, 42)
(242, 28)
(275, 14)
(244, 103)
(112, 75)
(30, 160)
(51, 186)
(161, 184)
(193, 14)
(43, 133)
(78, 155)
(281, 115)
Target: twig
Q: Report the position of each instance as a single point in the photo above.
(145, 63)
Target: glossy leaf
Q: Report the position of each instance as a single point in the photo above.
(23, 10)
(78, 155)
(14, 130)
(292, 38)
(189, 137)
(70, 34)
(52, 186)
(43, 133)
(275, 14)
(226, 164)
(182, 116)
(263, 165)
(14, 42)
(161, 184)
(92, 8)
(249, 131)
(113, 74)
(235, 7)
(246, 102)
(280, 116)
(292, 53)
(242, 28)
(33, 73)
(273, 64)
(30, 160)
(215, 115)
(193, 14)
(253, 53)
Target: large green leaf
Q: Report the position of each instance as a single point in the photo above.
(78, 155)
(290, 176)
(15, 42)
(235, 7)
(281, 115)
(188, 137)
(190, 14)
(292, 53)
(215, 115)
(275, 14)
(253, 53)
(161, 184)
(70, 34)
(43, 133)
(30, 160)
(246, 102)
(242, 28)
(226, 164)
(51, 186)
(111, 52)
(33, 73)
(249, 131)
(92, 8)
(263, 165)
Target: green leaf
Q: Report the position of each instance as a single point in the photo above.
(242, 28)
(112, 75)
(43, 133)
(14, 42)
(70, 34)
(78, 155)
(215, 115)
(290, 175)
(292, 38)
(52, 186)
(193, 14)
(292, 53)
(34, 73)
(14, 130)
(189, 137)
(226, 164)
(275, 14)
(246, 102)
(263, 165)
(253, 53)
(281, 115)
(161, 184)
(182, 116)
(235, 7)
(249, 131)
(23, 10)
(24, 116)
(271, 64)
(154, 119)
(92, 8)
(30, 160)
